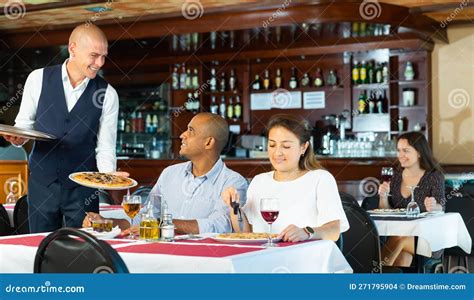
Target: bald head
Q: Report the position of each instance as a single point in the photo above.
(86, 32)
(215, 127)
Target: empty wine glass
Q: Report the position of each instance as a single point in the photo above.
(269, 208)
(413, 210)
(387, 174)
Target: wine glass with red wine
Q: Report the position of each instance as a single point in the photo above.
(269, 208)
(387, 174)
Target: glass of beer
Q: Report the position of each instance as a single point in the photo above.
(131, 206)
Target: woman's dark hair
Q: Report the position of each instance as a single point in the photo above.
(302, 130)
(418, 141)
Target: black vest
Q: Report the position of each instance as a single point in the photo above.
(74, 150)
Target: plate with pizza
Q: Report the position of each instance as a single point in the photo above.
(388, 211)
(105, 181)
(245, 237)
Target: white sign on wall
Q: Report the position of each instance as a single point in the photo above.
(314, 100)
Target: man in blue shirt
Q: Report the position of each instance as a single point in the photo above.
(192, 189)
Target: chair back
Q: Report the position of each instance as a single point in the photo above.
(5, 227)
(20, 216)
(348, 198)
(361, 242)
(371, 202)
(70, 250)
(464, 205)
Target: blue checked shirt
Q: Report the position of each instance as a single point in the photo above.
(197, 198)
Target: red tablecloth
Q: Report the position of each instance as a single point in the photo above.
(188, 250)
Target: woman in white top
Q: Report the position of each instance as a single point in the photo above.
(310, 206)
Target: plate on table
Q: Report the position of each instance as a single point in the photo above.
(388, 211)
(105, 181)
(26, 133)
(105, 235)
(244, 238)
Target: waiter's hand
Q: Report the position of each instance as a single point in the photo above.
(87, 222)
(121, 173)
(15, 140)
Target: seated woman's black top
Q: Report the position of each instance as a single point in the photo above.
(431, 185)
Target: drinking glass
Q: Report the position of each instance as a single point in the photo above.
(269, 208)
(413, 210)
(11, 197)
(131, 206)
(387, 174)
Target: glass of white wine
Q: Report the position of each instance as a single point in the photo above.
(131, 206)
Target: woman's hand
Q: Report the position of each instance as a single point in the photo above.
(135, 229)
(293, 233)
(431, 204)
(90, 216)
(121, 173)
(384, 188)
(230, 195)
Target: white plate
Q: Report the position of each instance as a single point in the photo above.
(103, 235)
(243, 241)
(71, 176)
(386, 212)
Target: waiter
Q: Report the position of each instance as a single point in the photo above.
(80, 108)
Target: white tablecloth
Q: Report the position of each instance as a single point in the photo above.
(312, 257)
(434, 232)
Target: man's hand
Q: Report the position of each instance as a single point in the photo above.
(120, 173)
(15, 140)
(90, 216)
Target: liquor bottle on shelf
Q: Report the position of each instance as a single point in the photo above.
(195, 79)
(278, 34)
(355, 29)
(128, 124)
(293, 83)
(195, 40)
(266, 80)
(174, 43)
(222, 82)
(196, 103)
(189, 102)
(385, 73)
(409, 72)
(363, 73)
(213, 80)
(223, 38)
(148, 124)
(370, 72)
(362, 29)
(278, 78)
(214, 108)
(222, 107)
(230, 109)
(237, 109)
(175, 79)
(213, 38)
(187, 42)
(182, 77)
(154, 122)
(121, 122)
(256, 86)
(305, 80)
(232, 80)
(318, 79)
(371, 102)
(361, 103)
(332, 78)
(188, 79)
(355, 72)
(232, 39)
(379, 103)
(378, 73)
(140, 123)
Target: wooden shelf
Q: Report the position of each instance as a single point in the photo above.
(371, 86)
(301, 89)
(409, 82)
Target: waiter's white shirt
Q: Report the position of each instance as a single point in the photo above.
(107, 134)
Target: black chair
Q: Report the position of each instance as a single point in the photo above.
(5, 227)
(142, 191)
(348, 198)
(464, 205)
(69, 250)
(370, 202)
(361, 246)
(20, 216)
